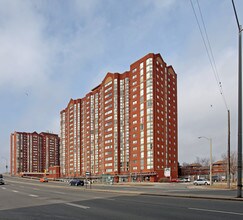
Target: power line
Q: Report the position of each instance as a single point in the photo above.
(209, 45)
(236, 17)
(209, 51)
(214, 63)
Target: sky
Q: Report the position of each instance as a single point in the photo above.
(55, 50)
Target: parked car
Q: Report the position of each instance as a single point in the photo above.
(175, 180)
(215, 178)
(43, 180)
(1, 180)
(201, 182)
(76, 182)
(88, 182)
(182, 180)
(187, 179)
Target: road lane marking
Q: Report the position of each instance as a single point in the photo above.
(217, 211)
(3, 187)
(110, 199)
(78, 206)
(35, 189)
(63, 193)
(15, 191)
(33, 195)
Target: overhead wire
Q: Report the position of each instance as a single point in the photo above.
(212, 55)
(209, 45)
(209, 51)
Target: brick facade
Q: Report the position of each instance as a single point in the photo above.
(126, 127)
(33, 152)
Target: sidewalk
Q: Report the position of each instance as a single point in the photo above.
(152, 189)
(199, 196)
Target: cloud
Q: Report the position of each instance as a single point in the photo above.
(202, 108)
(23, 53)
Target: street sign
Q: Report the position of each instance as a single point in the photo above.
(167, 172)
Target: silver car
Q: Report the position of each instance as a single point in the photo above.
(201, 182)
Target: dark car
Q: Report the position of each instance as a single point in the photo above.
(76, 182)
(1, 179)
(215, 178)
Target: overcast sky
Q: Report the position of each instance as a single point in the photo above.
(52, 51)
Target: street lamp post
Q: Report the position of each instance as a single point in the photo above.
(211, 164)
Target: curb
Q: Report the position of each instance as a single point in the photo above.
(189, 196)
(195, 197)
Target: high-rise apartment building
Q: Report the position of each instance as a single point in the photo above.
(126, 127)
(33, 152)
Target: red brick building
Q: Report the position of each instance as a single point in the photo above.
(194, 170)
(126, 127)
(219, 168)
(33, 152)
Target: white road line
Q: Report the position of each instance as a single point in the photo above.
(33, 195)
(35, 189)
(78, 206)
(217, 211)
(3, 187)
(15, 191)
(110, 199)
(59, 192)
(103, 198)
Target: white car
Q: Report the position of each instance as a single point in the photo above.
(201, 182)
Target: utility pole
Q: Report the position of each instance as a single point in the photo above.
(239, 176)
(239, 166)
(228, 159)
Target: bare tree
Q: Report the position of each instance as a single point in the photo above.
(233, 163)
(203, 161)
(184, 164)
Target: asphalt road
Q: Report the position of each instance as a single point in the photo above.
(29, 199)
